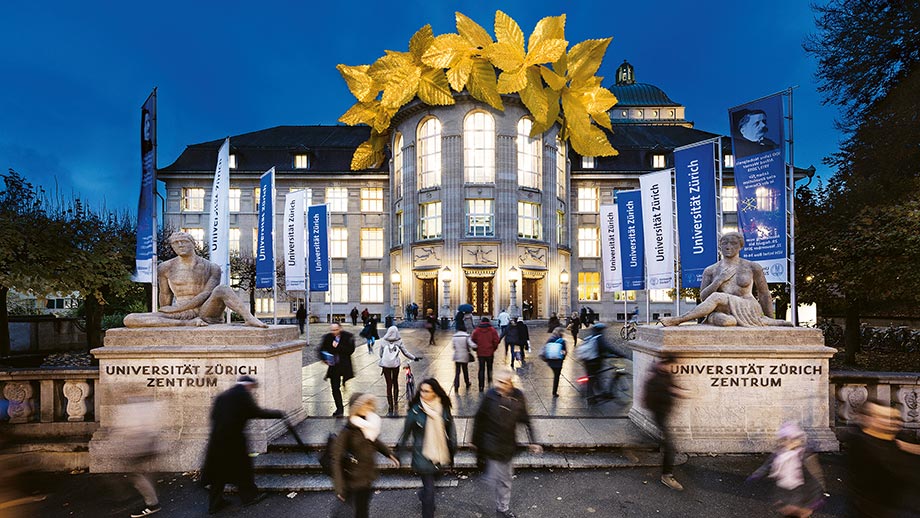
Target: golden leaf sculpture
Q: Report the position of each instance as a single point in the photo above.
(556, 87)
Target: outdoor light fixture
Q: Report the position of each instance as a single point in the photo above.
(514, 275)
(395, 277)
(564, 276)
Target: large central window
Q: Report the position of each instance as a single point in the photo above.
(429, 224)
(480, 218)
(560, 168)
(528, 155)
(588, 199)
(429, 154)
(337, 199)
(529, 220)
(479, 148)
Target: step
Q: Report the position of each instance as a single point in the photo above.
(321, 482)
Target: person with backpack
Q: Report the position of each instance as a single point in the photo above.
(369, 333)
(434, 438)
(463, 355)
(594, 349)
(486, 339)
(353, 456)
(795, 471)
(389, 349)
(553, 354)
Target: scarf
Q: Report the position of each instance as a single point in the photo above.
(369, 425)
(787, 469)
(434, 447)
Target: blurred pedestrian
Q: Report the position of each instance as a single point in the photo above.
(495, 436)
(365, 316)
(431, 324)
(370, 334)
(354, 316)
(301, 317)
(486, 339)
(390, 347)
(463, 355)
(227, 458)
(799, 481)
(660, 393)
(553, 323)
(553, 354)
(504, 320)
(468, 324)
(593, 352)
(137, 428)
(335, 350)
(574, 327)
(434, 438)
(354, 452)
(517, 336)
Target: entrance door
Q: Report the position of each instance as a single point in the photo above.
(479, 294)
(429, 297)
(530, 297)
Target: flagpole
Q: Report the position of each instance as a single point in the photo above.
(154, 285)
(329, 260)
(676, 243)
(271, 196)
(790, 173)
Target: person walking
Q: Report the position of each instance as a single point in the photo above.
(552, 323)
(137, 426)
(389, 349)
(365, 316)
(468, 324)
(517, 336)
(504, 319)
(553, 354)
(463, 355)
(370, 334)
(431, 324)
(459, 323)
(486, 339)
(660, 393)
(301, 317)
(799, 481)
(227, 458)
(574, 327)
(356, 447)
(593, 352)
(354, 316)
(495, 436)
(335, 350)
(434, 438)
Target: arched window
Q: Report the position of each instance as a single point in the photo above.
(528, 155)
(429, 153)
(479, 148)
(397, 166)
(560, 168)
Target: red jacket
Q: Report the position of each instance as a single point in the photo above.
(486, 338)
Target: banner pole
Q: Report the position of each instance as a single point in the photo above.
(329, 260)
(791, 216)
(306, 263)
(675, 244)
(154, 285)
(720, 216)
(271, 196)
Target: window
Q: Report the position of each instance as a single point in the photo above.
(338, 242)
(588, 199)
(588, 242)
(232, 161)
(234, 240)
(765, 199)
(264, 305)
(560, 168)
(371, 243)
(627, 295)
(529, 220)
(256, 198)
(429, 226)
(729, 199)
(337, 199)
(338, 288)
(301, 161)
(255, 240)
(480, 218)
(397, 166)
(235, 200)
(560, 227)
(310, 195)
(193, 199)
(589, 286)
(587, 162)
(660, 295)
(429, 154)
(398, 229)
(371, 199)
(729, 161)
(528, 156)
(479, 148)
(197, 234)
(371, 287)
(658, 162)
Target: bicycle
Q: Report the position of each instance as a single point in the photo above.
(621, 382)
(410, 383)
(628, 331)
(833, 333)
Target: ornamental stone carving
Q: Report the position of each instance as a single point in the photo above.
(76, 392)
(908, 398)
(850, 399)
(19, 394)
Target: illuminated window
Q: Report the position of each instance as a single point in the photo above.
(528, 156)
(255, 241)
(397, 166)
(765, 199)
(398, 229)
(256, 198)
(371, 199)
(264, 305)
(629, 295)
(337, 199)
(589, 286)
(588, 199)
(371, 287)
(729, 199)
(429, 154)
(193, 199)
(560, 168)
(301, 162)
(588, 242)
(338, 288)
(480, 218)
(232, 161)
(338, 242)
(234, 240)
(729, 161)
(197, 234)
(529, 220)
(658, 162)
(660, 295)
(587, 162)
(310, 195)
(371, 243)
(235, 200)
(429, 225)
(560, 227)
(479, 148)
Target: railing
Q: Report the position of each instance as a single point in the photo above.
(849, 390)
(39, 396)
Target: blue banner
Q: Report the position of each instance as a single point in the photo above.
(318, 242)
(760, 177)
(145, 238)
(632, 249)
(695, 177)
(265, 246)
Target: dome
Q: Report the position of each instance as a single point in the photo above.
(640, 94)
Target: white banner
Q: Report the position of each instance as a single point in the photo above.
(658, 217)
(295, 241)
(219, 221)
(610, 249)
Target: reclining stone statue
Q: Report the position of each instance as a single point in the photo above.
(727, 292)
(190, 293)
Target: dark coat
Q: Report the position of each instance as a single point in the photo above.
(344, 351)
(659, 391)
(486, 338)
(416, 419)
(370, 330)
(495, 424)
(227, 457)
(361, 473)
(459, 324)
(552, 324)
(301, 315)
(517, 334)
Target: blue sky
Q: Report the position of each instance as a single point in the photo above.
(75, 74)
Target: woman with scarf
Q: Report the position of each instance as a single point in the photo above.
(434, 438)
(391, 346)
(796, 472)
(354, 466)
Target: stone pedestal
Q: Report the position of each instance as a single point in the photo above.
(181, 370)
(741, 383)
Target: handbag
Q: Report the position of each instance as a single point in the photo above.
(470, 358)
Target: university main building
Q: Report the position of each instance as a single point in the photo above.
(468, 208)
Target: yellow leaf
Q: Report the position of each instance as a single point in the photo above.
(505, 56)
(363, 157)
(445, 50)
(482, 84)
(602, 119)
(586, 139)
(585, 58)
(401, 87)
(360, 113)
(473, 32)
(552, 113)
(561, 65)
(459, 73)
(599, 99)
(549, 28)
(382, 121)
(546, 51)
(533, 96)
(420, 41)
(508, 31)
(433, 88)
(511, 82)
(383, 68)
(554, 80)
(361, 85)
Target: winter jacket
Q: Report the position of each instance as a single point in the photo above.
(389, 362)
(495, 424)
(343, 352)
(517, 334)
(556, 364)
(463, 344)
(459, 324)
(415, 426)
(552, 324)
(659, 391)
(362, 471)
(486, 338)
(468, 324)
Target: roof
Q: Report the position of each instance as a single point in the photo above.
(635, 143)
(640, 94)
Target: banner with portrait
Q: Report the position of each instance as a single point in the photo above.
(265, 242)
(612, 265)
(658, 222)
(695, 186)
(295, 234)
(143, 257)
(318, 228)
(760, 178)
(219, 219)
(629, 208)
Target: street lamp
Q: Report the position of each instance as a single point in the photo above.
(514, 275)
(564, 293)
(445, 275)
(395, 279)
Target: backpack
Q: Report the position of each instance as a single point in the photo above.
(552, 350)
(389, 354)
(587, 351)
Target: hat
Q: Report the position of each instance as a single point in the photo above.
(247, 380)
(485, 319)
(790, 431)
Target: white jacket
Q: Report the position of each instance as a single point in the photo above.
(463, 344)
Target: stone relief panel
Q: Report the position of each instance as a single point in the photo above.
(532, 256)
(908, 398)
(427, 256)
(479, 255)
(850, 399)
